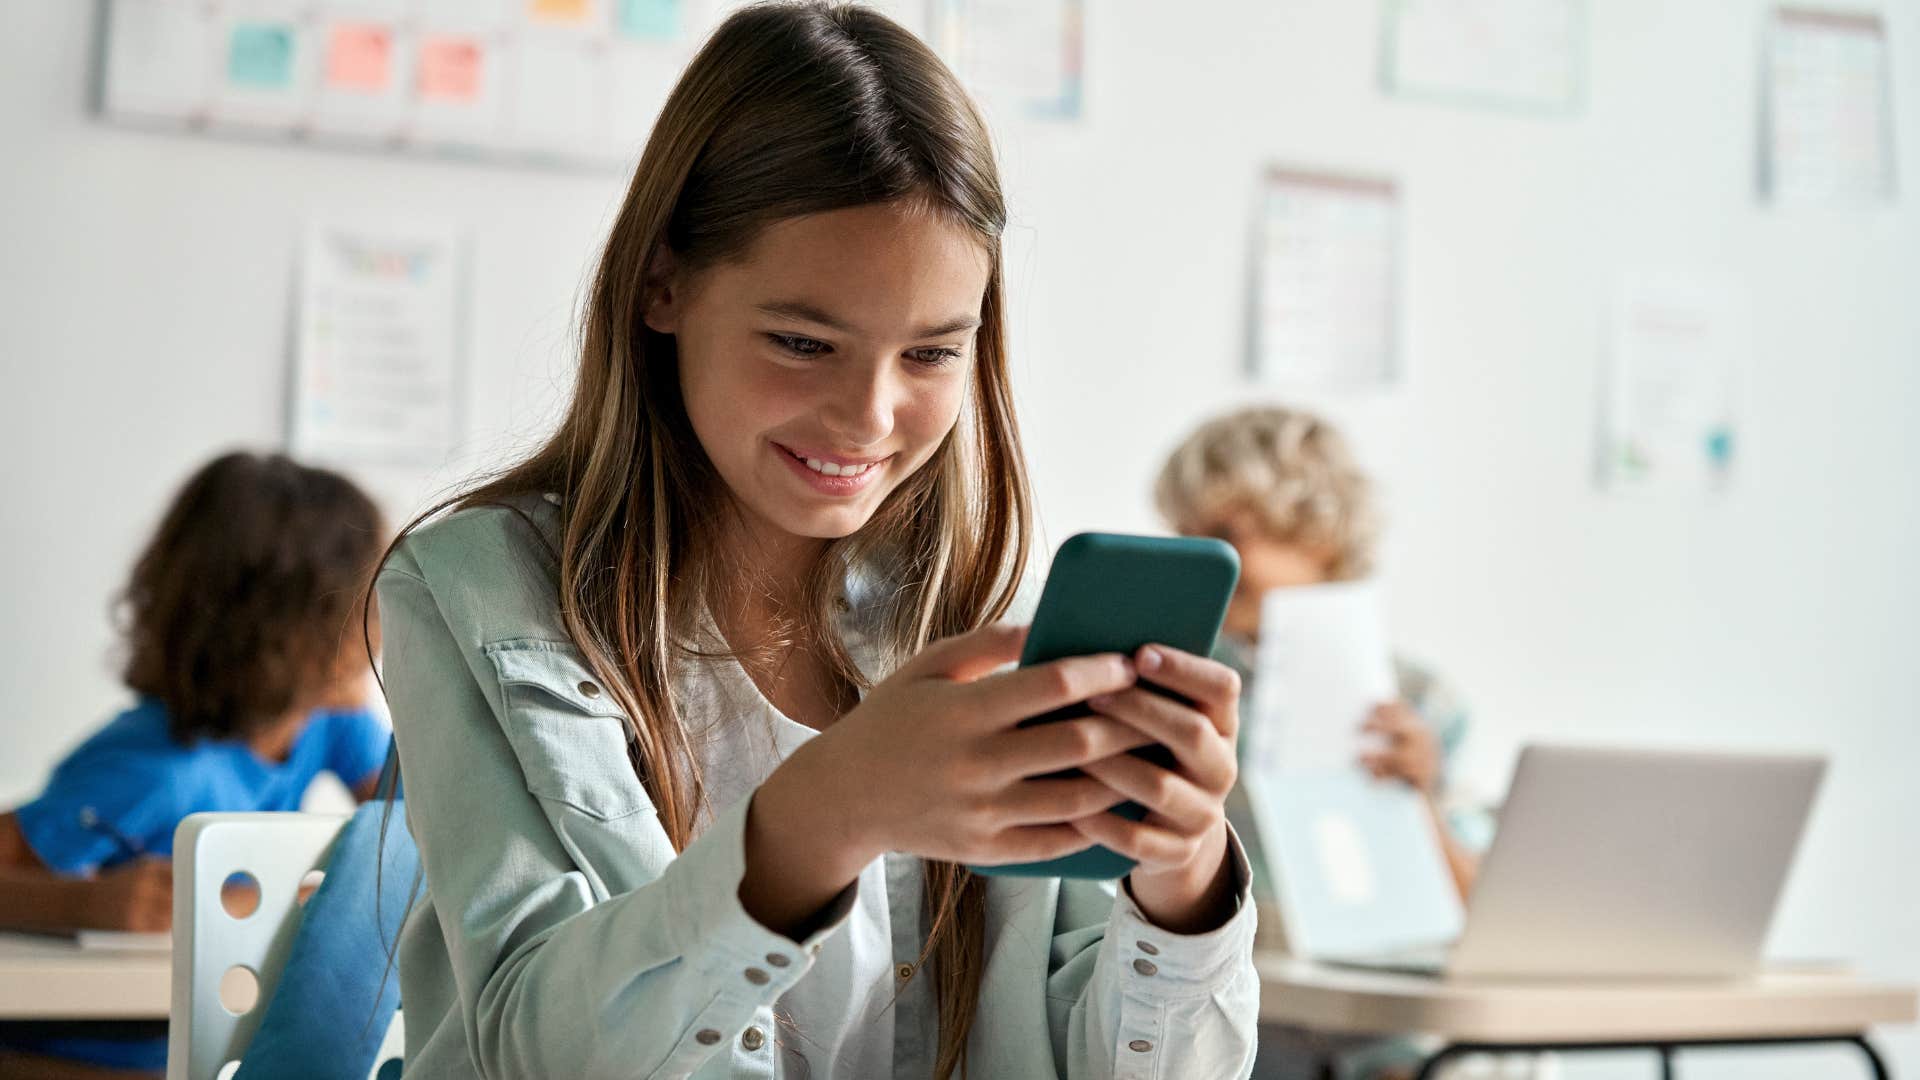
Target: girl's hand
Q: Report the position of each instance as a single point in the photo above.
(135, 896)
(1183, 882)
(933, 761)
(1410, 752)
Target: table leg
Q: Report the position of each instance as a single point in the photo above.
(1430, 1069)
(1878, 1067)
(1666, 1063)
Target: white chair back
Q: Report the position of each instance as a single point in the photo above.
(277, 851)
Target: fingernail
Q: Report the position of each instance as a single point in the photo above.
(1149, 659)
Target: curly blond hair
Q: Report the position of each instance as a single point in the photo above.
(1288, 470)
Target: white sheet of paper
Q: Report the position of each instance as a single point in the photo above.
(1025, 53)
(1672, 385)
(159, 61)
(1829, 133)
(376, 344)
(1507, 52)
(557, 95)
(1326, 297)
(123, 941)
(1323, 665)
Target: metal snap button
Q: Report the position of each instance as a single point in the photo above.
(1140, 1045)
(1145, 967)
(708, 1036)
(589, 689)
(1146, 947)
(777, 960)
(756, 977)
(905, 971)
(752, 1039)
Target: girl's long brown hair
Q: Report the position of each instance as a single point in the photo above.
(789, 109)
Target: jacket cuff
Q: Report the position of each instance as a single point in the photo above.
(719, 936)
(1157, 962)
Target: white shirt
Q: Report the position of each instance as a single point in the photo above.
(835, 1022)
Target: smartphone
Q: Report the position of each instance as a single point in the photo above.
(1108, 593)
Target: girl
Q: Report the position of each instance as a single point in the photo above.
(700, 708)
(249, 683)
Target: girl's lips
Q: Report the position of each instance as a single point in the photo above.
(831, 485)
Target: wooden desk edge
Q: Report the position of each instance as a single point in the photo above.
(1360, 1003)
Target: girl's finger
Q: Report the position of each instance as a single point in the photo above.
(1063, 744)
(965, 657)
(1197, 744)
(1042, 688)
(1054, 800)
(1210, 684)
(1031, 843)
(1183, 805)
(1152, 846)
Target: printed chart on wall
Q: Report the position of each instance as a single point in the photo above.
(1673, 384)
(1828, 103)
(376, 344)
(1325, 295)
(565, 82)
(1025, 55)
(1516, 54)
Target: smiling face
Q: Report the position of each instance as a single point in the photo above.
(827, 362)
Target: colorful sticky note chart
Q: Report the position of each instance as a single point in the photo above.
(658, 19)
(359, 57)
(450, 68)
(560, 11)
(260, 55)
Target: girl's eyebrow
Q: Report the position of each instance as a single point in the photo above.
(800, 309)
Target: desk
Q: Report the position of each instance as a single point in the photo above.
(47, 978)
(1786, 1006)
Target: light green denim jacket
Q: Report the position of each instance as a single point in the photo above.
(558, 935)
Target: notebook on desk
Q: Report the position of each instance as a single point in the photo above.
(1627, 864)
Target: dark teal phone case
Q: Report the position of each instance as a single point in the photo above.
(1112, 593)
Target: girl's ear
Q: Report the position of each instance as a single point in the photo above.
(660, 307)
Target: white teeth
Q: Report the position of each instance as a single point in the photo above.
(828, 468)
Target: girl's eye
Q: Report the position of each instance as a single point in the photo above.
(798, 346)
(936, 357)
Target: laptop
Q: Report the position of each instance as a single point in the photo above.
(1628, 864)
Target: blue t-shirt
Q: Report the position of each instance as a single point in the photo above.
(130, 778)
(130, 784)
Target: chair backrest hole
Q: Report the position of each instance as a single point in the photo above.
(239, 990)
(226, 1071)
(308, 884)
(240, 894)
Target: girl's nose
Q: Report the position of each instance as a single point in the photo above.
(860, 410)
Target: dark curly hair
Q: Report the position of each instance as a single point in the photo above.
(238, 610)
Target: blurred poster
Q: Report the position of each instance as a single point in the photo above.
(1325, 295)
(1513, 53)
(1829, 110)
(1672, 386)
(376, 344)
(1025, 53)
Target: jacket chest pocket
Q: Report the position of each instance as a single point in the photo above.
(566, 729)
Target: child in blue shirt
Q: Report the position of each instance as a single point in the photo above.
(244, 650)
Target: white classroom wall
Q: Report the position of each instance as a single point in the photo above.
(145, 281)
